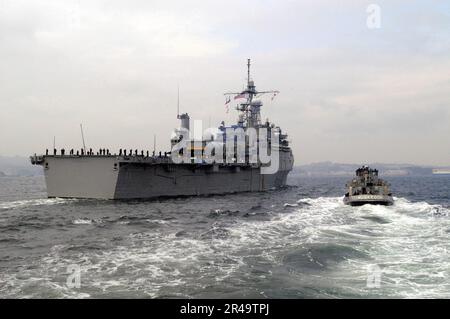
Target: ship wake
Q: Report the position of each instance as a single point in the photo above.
(310, 242)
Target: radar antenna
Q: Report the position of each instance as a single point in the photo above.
(246, 112)
(82, 137)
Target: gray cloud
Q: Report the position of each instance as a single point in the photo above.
(348, 93)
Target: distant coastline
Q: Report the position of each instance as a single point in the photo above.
(337, 169)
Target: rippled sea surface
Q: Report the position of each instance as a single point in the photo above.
(298, 242)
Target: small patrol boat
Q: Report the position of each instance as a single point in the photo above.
(367, 188)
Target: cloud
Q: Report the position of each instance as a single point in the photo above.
(115, 66)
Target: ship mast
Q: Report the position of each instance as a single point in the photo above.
(248, 72)
(245, 109)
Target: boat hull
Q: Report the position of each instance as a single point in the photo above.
(109, 177)
(359, 200)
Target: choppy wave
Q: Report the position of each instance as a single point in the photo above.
(301, 243)
(83, 221)
(33, 202)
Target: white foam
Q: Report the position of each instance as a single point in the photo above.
(33, 202)
(401, 236)
(405, 240)
(82, 221)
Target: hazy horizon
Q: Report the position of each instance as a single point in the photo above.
(26, 158)
(349, 93)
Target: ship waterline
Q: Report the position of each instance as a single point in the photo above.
(359, 200)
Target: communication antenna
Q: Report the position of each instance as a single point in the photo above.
(248, 72)
(178, 101)
(154, 144)
(82, 137)
(249, 93)
(54, 142)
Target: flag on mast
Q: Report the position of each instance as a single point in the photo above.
(243, 95)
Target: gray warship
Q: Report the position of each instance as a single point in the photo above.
(183, 171)
(367, 188)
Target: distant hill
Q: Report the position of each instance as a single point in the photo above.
(337, 169)
(21, 166)
(18, 166)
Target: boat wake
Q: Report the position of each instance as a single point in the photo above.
(309, 242)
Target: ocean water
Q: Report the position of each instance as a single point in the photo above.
(297, 242)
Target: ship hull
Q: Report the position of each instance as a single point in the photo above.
(108, 177)
(359, 200)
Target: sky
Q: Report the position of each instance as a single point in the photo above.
(350, 91)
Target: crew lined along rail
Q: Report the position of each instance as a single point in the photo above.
(104, 152)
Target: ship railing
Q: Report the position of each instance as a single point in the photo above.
(37, 159)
